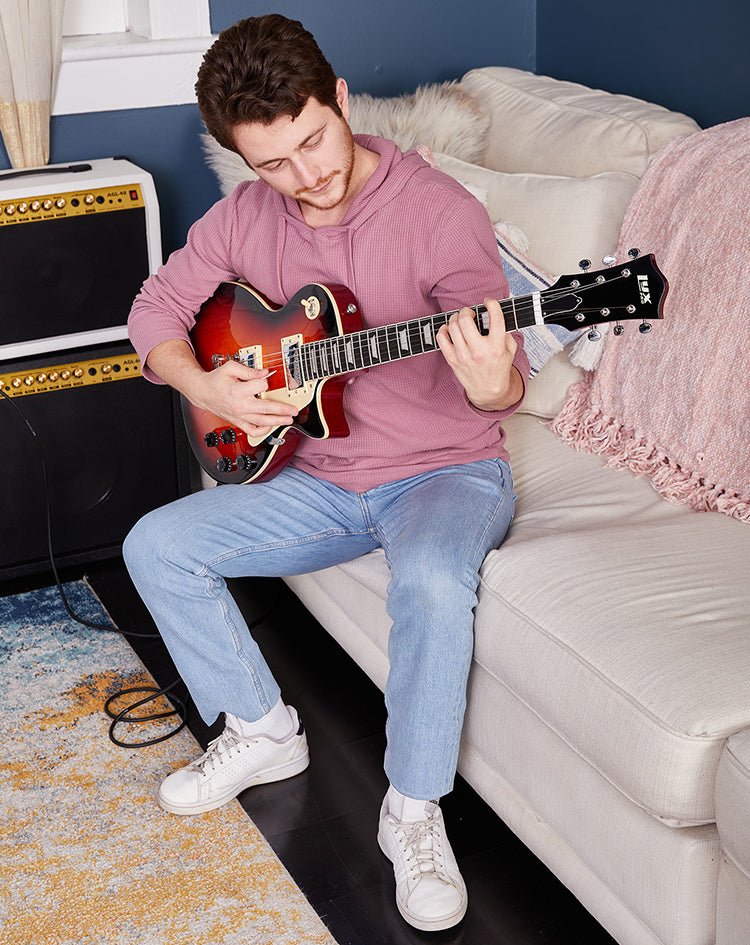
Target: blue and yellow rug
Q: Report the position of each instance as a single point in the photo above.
(87, 857)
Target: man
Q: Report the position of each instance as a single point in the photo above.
(423, 473)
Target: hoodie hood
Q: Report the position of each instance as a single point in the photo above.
(389, 178)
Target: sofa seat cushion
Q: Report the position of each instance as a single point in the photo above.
(549, 126)
(733, 801)
(621, 620)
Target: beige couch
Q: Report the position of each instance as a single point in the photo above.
(608, 720)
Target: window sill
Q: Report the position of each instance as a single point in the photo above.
(109, 73)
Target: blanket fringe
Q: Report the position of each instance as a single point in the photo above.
(589, 430)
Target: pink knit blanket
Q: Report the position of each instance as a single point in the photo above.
(674, 405)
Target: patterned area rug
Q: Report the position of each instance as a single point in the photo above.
(86, 854)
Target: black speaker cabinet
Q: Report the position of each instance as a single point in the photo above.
(114, 448)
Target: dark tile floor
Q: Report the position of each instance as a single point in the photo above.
(322, 824)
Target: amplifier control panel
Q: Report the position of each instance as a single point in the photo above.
(53, 377)
(71, 203)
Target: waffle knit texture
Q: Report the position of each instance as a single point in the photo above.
(413, 242)
(675, 406)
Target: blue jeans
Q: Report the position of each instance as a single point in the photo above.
(435, 528)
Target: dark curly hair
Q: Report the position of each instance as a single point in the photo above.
(259, 69)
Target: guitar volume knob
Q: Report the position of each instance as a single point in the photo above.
(247, 462)
(229, 435)
(211, 439)
(224, 464)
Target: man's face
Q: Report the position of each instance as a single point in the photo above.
(309, 158)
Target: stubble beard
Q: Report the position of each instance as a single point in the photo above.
(331, 201)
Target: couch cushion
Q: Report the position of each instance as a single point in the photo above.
(553, 127)
(564, 218)
(622, 621)
(733, 801)
(618, 619)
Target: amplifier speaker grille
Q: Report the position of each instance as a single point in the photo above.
(114, 446)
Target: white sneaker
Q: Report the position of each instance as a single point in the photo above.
(430, 892)
(231, 764)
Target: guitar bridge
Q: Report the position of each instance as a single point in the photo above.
(252, 356)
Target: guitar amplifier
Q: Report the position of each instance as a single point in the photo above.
(114, 448)
(76, 243)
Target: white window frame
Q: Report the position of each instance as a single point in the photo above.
(153, 63)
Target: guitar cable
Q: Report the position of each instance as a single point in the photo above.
(121, 716)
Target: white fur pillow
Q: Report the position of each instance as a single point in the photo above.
(443, 117)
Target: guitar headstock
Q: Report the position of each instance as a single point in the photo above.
(633, 291)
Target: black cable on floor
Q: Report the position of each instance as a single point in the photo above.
(123, 715)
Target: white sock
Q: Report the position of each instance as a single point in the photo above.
(407, 809)
(278, 723)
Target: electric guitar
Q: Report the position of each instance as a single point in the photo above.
(313, 342)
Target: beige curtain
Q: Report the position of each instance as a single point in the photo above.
(30, 48)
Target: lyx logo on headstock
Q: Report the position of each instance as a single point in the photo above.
(643, 289)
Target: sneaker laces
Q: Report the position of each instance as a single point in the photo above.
(219, 749)
(422, 847)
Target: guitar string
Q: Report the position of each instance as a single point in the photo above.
(276, 359)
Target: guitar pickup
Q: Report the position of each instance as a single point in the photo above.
(290, 352)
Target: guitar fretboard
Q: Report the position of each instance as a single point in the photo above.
(371, 346)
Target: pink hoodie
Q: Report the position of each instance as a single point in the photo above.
(414, 242)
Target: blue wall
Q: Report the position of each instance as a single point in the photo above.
(681, 53)
(385, 48)
(688, 55)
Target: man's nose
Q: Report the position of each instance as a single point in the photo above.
(308, 174)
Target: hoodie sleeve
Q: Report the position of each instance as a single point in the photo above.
(167, 304)
(467, 270)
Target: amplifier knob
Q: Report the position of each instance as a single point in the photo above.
(78, 372)
(65, 374)
(88, 199)
(23, 207)
(60, 203)
(224, 464)
(229, 435)
(47, 204)
(35, 205)
(53, 375)
(106, 368)
(16, 382)
(10, 209)
(211, 439)
(29, 380)
(41, 378)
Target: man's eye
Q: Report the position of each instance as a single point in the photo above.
(315, 142)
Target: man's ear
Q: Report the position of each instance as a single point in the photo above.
(342, 96)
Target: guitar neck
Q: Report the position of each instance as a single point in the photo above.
(359, 350)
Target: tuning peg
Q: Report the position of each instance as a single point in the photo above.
(584, 264)
(644, 328)
(609, 260)
(594, 335)
(634, 253)
(618, 329)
